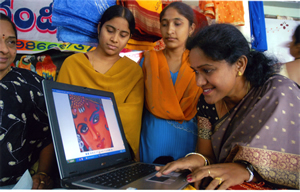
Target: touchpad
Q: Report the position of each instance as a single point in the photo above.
(166, 179)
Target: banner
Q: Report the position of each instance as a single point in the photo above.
(33, 22)
(37, 47)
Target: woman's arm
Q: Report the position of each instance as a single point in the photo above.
(42, 179)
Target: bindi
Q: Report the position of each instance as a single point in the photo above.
(3, 36)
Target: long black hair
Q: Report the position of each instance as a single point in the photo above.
(118, 11)
(226, 42)
(6, 18)
(297, 35)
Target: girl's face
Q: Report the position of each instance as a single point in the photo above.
(114, 36)
(175, 29)
(216, 78)
(8, 48)
(91, 124)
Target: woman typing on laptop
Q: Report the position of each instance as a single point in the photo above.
(248, 117)
(104, 69)
(24, 128)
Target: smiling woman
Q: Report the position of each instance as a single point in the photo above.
(104, 69)
(25, 136)
(248, 116)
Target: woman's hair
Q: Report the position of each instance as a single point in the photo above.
(118, 11)
(6, 18)
(183, 9)
(297, 35)
(226, 42)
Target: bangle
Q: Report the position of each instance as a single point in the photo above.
(206, 161)
(42, 173)
(249, 168)
(251, 175)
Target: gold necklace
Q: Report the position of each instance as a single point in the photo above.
(248, 88)
(226, 107)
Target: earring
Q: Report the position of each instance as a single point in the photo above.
(240, 73)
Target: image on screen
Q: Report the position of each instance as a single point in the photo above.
(91, 125)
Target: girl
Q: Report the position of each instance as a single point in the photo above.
(104, 69)
(169, 129)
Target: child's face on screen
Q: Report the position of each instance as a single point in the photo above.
(91, 124)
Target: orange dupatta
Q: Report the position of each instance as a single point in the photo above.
(163, 99)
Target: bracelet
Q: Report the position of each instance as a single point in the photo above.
(251, 175)
(249, 168)
(42, 173)
(206, 161)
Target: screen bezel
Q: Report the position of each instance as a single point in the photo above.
(72, 169)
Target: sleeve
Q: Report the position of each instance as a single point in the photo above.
(206, 117)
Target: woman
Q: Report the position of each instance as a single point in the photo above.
(292, 68)
(248, 116)
(90, 123)
(169, 129)
(24, 129)
(104, 69)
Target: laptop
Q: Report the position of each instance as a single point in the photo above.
(90, 144)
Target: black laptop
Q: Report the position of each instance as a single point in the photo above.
(90, 144)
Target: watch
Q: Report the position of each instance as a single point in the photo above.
(249, 168)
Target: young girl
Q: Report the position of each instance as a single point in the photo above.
(169, 129)
(104, 69)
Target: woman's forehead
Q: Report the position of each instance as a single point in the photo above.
(118, 23)
(6, 28)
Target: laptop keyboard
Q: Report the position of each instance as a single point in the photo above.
(123, 176)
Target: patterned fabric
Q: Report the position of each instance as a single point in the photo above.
(124, 79)
(251, 186)
(224, 11)
(24, 128)
(146, 14)
(204, 128)
(262, 129)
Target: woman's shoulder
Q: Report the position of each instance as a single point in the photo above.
(75, 56)
(279, 87)
(131, 64)
(26, 74)
(26, 79)
(279, 81)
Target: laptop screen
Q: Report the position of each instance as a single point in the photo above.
(88, 125)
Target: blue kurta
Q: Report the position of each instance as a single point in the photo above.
(161, 137)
